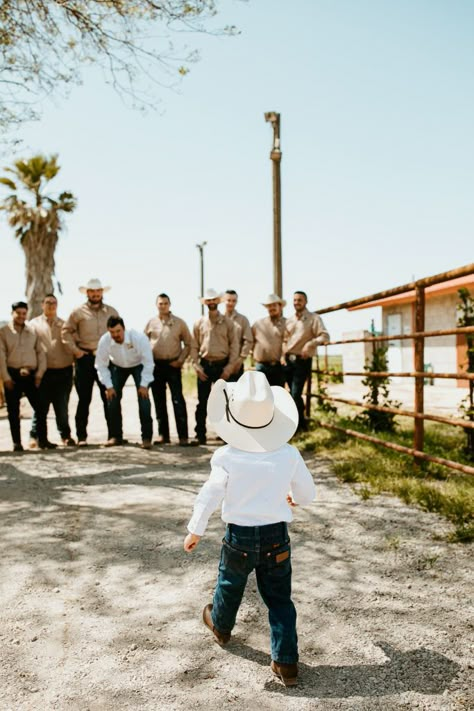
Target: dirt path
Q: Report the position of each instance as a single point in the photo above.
(100, 607)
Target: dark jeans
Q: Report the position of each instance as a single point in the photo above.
(164, 374)
(274, 373)
(265, 549)
(213, 370)
(55, 389)
(297, 373)
(23, 385)
(86, 376)
(119, 378)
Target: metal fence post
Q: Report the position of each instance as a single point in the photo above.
(275, 155)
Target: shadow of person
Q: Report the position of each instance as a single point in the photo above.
(419, 670)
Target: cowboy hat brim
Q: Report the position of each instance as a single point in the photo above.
(265, 439)
(85, 289)
(276, 301)
(203, 299)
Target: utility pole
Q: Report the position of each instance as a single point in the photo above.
(201, 257)
(275, 156)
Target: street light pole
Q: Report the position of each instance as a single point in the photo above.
(275, 156)
(201, 256)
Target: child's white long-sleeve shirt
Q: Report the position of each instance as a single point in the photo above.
(253, 487)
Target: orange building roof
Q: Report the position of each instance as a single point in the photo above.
(445, 287)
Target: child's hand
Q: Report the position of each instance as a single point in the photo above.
(190, 542)
(289, 498)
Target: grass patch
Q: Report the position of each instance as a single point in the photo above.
(375, 470)
(189, 378)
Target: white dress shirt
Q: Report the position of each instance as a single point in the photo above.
(252, 487)
(134, 350)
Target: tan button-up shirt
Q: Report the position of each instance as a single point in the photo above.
(20, 349)
(49, 334)
(244, 333)
(308, 329)
(170, 338)
(268, 339)
(85, 326)
(214, 341)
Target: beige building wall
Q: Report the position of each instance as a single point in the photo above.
(440, 351)
(355, 355)
(400, 353)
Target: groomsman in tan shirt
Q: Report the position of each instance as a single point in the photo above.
(56, 383)
(170, 341)
(214, 354)
(304, 332)
(268, 335)
(22, 365)
(81, 334)
(244, 332)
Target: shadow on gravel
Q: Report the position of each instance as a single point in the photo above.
(51, 505)
(419, 670)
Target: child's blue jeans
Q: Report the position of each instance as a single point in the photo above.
(265, 549)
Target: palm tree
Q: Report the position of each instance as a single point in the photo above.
(37, 222)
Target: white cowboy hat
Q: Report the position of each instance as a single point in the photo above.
(93, 284)
(273, 299)
(250, 415)
(210, 294)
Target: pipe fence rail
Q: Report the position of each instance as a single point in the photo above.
(419, 374)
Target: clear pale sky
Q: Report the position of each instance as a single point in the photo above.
(377, 108)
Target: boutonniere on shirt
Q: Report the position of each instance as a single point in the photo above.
(129, 346)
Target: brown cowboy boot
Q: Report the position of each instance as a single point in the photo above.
(220, 637)
(288, 673)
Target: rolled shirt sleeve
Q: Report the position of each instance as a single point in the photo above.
(147, 360)
(41, 358)
(234, 344)
(321, 334)
(247, 340)
(69, 335)
(186, 340)
(208, 499)
(102, 359)
(4, 375)
(244, 334)
(195, 344)
(303, 490)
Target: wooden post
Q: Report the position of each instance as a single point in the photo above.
(418, 441)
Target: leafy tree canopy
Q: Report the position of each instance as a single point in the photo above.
(44, 44)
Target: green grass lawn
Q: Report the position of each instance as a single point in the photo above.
(189, 380)
(375, 470)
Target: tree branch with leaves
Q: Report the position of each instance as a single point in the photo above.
(45, 43)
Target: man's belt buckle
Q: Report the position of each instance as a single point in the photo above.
(24, 372)
(292, 357)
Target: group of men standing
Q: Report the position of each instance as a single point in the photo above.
(37, 359)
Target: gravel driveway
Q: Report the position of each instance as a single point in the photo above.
(100, 606)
